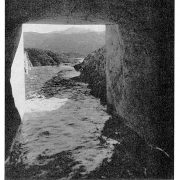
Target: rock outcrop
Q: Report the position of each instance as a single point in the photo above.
(93, 72)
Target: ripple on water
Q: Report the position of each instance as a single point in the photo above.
(60, 137)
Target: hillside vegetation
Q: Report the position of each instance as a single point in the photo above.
(40, 57)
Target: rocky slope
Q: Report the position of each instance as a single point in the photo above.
(40, 57)
(93, 72)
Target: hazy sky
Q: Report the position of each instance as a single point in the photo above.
(45, 28)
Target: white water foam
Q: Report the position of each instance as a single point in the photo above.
(43, 104)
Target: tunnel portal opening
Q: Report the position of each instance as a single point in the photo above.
(41, 41)
(55, 106)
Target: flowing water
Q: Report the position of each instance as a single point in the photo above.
(60, 135)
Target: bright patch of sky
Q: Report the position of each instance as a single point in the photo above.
(46, 28)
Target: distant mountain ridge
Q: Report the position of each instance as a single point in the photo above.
(73, 30)
(74, 40)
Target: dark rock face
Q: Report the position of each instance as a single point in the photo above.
(136, 79)
(140, 63)
(93, 72)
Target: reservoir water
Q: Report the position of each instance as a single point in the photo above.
(60, 135)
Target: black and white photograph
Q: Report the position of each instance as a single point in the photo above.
(89, 89)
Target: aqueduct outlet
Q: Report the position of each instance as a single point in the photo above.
(139, 63)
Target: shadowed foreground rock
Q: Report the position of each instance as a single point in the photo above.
(133, 157)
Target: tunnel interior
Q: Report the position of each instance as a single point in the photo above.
(139, 65)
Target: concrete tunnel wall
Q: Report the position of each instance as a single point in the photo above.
(132, 82)
(140, 64)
